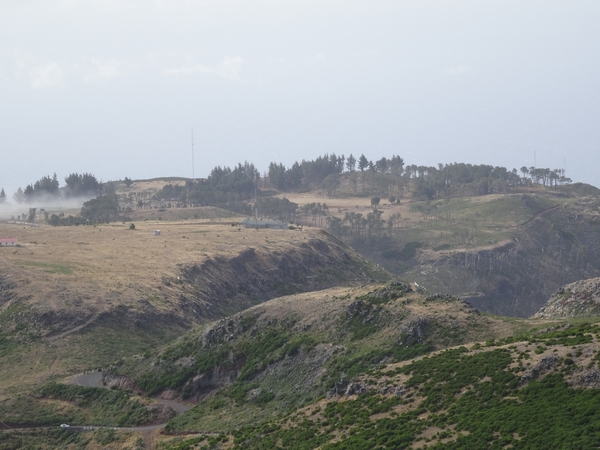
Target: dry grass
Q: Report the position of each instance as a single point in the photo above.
(63, 267)
(85, 271)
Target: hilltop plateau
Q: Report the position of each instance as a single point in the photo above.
(74, 298)
(506, 251)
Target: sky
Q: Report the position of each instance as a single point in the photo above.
(114, 87)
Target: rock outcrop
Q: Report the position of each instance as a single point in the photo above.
(579, 299)
(544, 365)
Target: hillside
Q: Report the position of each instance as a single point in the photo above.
(262, 329)
(291, 351)
(505, 253)
(382, 366)
(483, 233)
(535, 392)
(75, 298)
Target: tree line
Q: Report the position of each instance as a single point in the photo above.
(242, 189)
(391, 177)
(48, 188)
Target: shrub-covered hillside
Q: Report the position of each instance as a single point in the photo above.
(290, 352)
(534, 391)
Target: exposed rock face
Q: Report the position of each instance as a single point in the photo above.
(226, 330)
(118, 381)
(345, 388)
(579, 299)
(356, 389)
(338, 389)
(544, 365)
(398, 391)
(361, 310)
(589, 379)
(159, 413)
(414, 331)
(255, 276)
(204, 384)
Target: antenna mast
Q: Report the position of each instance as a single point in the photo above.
(193, 173)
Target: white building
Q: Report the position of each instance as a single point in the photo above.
(8, 242)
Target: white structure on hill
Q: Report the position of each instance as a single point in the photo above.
(8, 242)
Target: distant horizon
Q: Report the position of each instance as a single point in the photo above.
(184, 178)
(115, 87)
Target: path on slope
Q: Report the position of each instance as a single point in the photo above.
(94, 379)
(99, 308)
(541, 213)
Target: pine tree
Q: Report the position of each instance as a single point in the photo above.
(363, 162)
(2, 196)
(351, 163)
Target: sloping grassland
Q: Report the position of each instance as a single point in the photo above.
(75, 298)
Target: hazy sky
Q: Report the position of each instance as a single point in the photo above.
(113, 87)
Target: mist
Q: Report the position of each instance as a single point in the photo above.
(49, 204)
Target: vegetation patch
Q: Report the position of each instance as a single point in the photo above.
(455, 399)
(51, 268)
(53, 404)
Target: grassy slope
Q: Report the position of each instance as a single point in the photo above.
(85, 296)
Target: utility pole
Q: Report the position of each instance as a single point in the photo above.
(193, 172)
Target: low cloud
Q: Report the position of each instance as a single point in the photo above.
(47, 76)
(99, 71)
(229, 68)
(54, 74)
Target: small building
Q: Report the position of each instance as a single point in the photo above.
(8, 242)
(264, 223)
(156, 232)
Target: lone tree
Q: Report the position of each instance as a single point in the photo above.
(2, 196)
(128, 181)
(19, 196)
(375, 201)
(363, 163)
(351, 163)
(31, 215)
